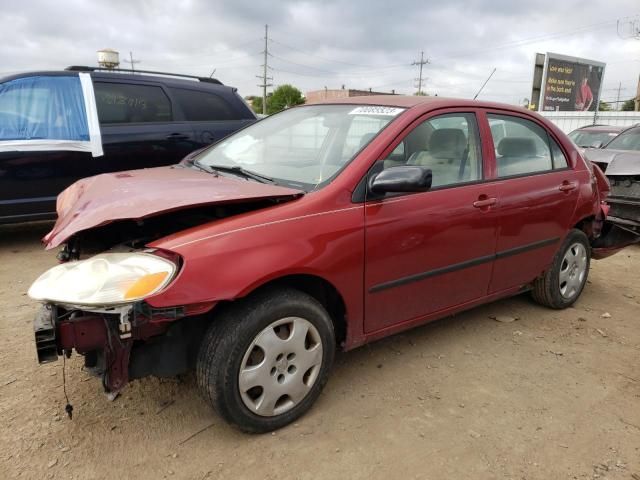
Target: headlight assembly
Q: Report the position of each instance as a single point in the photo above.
(104, 280)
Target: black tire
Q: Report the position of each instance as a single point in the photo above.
(547, 289)
(228, 339)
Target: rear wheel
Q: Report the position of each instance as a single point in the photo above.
(265, 360)
(563, 282)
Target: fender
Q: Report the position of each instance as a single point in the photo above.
(223, 261)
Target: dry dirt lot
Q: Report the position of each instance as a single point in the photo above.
(552, 395)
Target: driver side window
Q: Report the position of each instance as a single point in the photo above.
(448, 145)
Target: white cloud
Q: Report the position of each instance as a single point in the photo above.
(356, 43)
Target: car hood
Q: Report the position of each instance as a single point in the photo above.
(137, 194)
(615, 160)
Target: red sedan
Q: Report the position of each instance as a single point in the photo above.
(322, 227)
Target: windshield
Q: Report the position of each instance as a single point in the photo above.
(629, 140)
(304, 147)
(587, 139)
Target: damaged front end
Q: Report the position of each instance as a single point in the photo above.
(97, 307)
(96, 301)
(122, 343)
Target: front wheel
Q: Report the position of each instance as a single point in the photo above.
(264, 361)
(563, 282)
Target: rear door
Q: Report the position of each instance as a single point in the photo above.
(210, 114)
(139, 126)
(537, 193)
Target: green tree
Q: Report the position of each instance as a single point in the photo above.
(256, 103)
(604, 106)
(629, 106)
(285, 96)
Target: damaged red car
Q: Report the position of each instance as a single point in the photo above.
(319, 228)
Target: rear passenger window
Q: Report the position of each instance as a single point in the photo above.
(129, 103)
(521, 146)
(559, 159)
(203, 106)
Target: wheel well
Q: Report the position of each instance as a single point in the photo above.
(323, 291)
(586, 225)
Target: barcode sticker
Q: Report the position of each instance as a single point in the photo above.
(376, 110)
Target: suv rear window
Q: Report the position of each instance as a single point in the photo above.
(129, 103)
(203, 106)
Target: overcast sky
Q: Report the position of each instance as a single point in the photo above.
(356, 43)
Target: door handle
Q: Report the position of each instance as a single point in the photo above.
(177, 136)
(484, 201)
(567, 186)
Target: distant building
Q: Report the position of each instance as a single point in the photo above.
(316, 96)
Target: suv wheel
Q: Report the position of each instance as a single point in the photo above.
(265, 360)
(562, 284)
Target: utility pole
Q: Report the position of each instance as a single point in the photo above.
(420, 63)
(618, 106)
(132, 62)
(264, 77)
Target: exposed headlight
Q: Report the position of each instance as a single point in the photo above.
(106, 279)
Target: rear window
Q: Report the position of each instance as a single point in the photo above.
(629, 140)
(43, 107)
(129, 103)
(200, 106)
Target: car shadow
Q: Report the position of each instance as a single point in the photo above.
(18, 235)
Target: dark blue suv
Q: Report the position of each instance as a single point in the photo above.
(58, 127)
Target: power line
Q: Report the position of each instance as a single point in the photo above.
(526, 41)
(338, 61)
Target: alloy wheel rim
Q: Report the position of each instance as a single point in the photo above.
(573, 270)
(280, 366)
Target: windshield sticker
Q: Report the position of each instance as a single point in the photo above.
(375, 110)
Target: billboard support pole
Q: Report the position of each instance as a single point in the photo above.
(595, 112)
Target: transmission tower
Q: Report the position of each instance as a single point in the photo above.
(629, 28)
(132, 62)
(422, 62)
(265, 66)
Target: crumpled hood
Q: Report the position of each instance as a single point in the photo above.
(619, 162)
(136, 194)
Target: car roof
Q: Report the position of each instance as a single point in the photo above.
(602, 128)
(165, 78)
(409, 101)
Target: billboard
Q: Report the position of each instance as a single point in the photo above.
(570, 84)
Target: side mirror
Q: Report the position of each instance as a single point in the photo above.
(403, 178)
(596, 144)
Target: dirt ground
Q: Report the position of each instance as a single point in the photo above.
(552, 395)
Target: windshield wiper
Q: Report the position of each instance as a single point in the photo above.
(239, 171)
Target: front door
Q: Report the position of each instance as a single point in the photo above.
(425, 252)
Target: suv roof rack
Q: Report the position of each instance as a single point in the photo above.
(81, 68)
